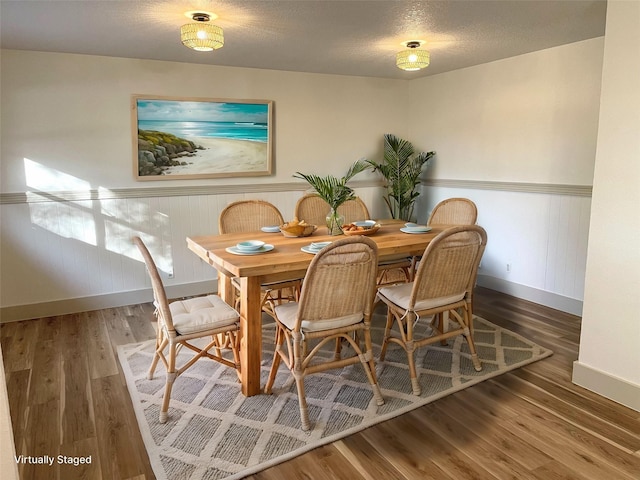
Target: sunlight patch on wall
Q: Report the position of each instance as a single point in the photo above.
(46, 179)
(104, 222)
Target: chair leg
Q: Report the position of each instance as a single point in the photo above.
(302, 401)
(415, 385)
(468, 335)
(410, 347)
(370, 367)
(161, 343)
(387, 334)
(276, 360)
(443, 342)
(338, 351)
(234, 340)
(171, 377)
(299, 345)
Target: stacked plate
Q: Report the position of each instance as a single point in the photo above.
(250, 247)
(314, 247)
(415, 228)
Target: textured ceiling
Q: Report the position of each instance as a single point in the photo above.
(336, 37)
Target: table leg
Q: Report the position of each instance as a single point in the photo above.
(251, 335)
(225, 289)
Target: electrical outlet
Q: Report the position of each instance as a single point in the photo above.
(508, 267)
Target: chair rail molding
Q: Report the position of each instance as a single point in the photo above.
(546, 188)
(178, 191)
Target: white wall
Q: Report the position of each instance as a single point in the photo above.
(529, 119)
(66, 127)
(66, 139)
(609, 360)
(70, 115)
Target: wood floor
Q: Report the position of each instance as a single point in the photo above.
(68, 396)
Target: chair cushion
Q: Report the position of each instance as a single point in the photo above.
(286, 314)
(400, 295)
(201, 314)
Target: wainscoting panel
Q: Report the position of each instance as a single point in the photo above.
(76, 248)
(79, 246)
(536, 240)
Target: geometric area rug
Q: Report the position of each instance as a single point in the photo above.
(214, 432)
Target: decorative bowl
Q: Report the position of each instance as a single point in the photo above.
(368, 227)
(250, 245)
(366, 224)
(297, 229)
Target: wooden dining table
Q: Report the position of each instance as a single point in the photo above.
(285, 262)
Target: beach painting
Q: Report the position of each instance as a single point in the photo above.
(187, 138)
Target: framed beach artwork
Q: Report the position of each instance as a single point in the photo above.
(185, 138)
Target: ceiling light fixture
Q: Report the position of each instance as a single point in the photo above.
(202, 36)
(413, 58)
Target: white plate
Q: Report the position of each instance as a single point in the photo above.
(264, 249)
(318, 245)
(415, 229)
(308, 249)
(271, 229)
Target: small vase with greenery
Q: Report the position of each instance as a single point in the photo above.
(335, 192)
(401, 167)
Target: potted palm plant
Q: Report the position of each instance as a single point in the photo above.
(335, 192)
(401, 167)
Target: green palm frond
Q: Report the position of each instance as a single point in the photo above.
(331, 189)
(401, 168)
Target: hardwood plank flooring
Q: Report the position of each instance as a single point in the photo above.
(68, 396)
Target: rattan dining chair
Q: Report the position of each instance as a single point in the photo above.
(335, 306)
(454, 211)
(451, 211)
(181, 322)
(443, 283)
(249, 216)
(354, 210)
(312, 209)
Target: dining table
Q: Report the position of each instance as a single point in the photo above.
(285, 261)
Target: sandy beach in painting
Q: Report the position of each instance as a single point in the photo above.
(223, 155)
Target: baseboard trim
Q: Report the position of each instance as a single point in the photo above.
(542, 297)
(98, 302)
(617, 389)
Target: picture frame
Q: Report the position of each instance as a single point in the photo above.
(191, 138)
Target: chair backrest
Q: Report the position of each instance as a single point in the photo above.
(159, 294)
(354, 210)
(312, 209)
(340, 281)
(449, 265)
(248, 216)
(454, 211)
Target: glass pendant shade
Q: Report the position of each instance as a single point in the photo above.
(203, 37)
(412, 59)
